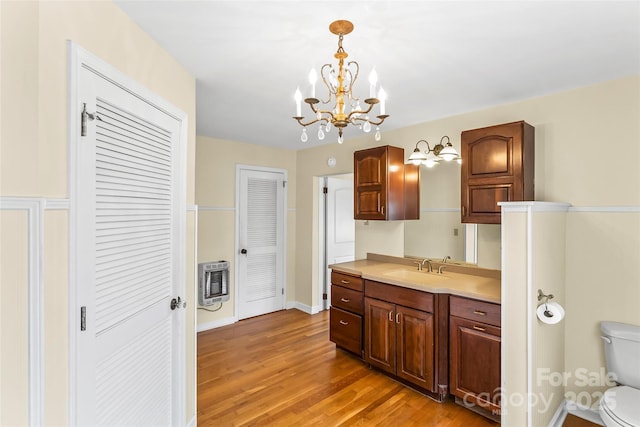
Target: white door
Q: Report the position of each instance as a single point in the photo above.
(128, 233)
(340, 234)
(260, 261)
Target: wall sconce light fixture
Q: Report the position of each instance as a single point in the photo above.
(433, 156)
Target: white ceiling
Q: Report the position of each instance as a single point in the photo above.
(434, 58)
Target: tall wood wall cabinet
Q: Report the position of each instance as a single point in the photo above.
(384, 187)
(497, 166)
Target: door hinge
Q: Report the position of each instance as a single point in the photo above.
(83, 318)
(284, 184)
(84, 116)
(324, 296)
(325, 190)
(282, 289)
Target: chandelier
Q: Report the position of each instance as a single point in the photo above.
(339, 83)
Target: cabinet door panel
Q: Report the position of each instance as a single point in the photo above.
(380, 334)
(475, 362)
(369, 203)
(490, 155)
(415, 347)
(370, 183)
(370, 169)
(483, 200)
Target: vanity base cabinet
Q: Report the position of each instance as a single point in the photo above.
(400, 339)
(474, 352)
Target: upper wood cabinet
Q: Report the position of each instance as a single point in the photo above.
(497, 166)
(384, 187)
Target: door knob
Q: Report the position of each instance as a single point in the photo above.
(175, 303)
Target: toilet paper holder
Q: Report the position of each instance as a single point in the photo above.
(541, 296)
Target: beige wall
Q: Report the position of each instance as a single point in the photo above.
(34, 153)
(602, 283)
(216, 163)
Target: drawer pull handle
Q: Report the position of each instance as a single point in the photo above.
(397, 317)
(478, 328)
(346, 282)
(345, 299)
(342, 322)
(391, 316)
(480, 313)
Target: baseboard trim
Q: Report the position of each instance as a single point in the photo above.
(303, 307)
(216, 324)
(559, 416)
(201, 327)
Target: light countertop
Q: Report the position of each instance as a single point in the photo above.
(473, 283)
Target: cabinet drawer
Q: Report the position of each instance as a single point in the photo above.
(347, 281)
(398, 295)
(478, 311)
(347, 299)
(346, 330)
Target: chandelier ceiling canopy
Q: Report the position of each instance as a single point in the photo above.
(341, 107)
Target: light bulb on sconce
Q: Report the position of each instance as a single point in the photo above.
(432, 156)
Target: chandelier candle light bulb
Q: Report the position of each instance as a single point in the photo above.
(373, 81)
(339, 83)
(298, 98)
(313, 78)
(383, 98)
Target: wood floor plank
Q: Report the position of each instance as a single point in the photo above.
(281, 370)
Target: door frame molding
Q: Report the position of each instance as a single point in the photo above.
(236, 289)
(79, 58)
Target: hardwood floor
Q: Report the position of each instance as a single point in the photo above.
(573, 421)
(281, 370)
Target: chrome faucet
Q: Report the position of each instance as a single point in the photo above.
(444, 260)
(428, 265)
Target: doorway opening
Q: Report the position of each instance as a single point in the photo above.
(336, 229)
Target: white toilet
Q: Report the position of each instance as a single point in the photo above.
(620, 406)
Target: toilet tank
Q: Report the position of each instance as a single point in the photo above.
(622, 351)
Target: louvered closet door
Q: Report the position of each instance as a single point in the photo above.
(129, 249)
(261, 235)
